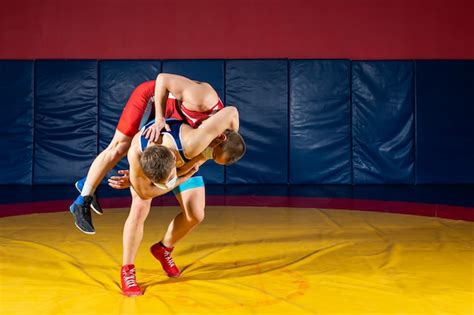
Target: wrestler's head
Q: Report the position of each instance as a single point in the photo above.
(159, 164)
(230, 148)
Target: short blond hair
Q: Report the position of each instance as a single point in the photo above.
(234, 147)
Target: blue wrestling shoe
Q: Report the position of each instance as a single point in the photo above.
(81, 212)
(95, 203)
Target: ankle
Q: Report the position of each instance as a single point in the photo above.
(128, 265)
(168, 248)
(87, 190)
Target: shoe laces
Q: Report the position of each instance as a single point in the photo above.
(168, 258)
(129, 278)
(86, 207)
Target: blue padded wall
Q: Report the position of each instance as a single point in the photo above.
(117, 80)
(320, 122)
(445, 122)
(344, 116)
(259, 89)
(16, 119)
(212, 72)
(382, 122)
(65, 120)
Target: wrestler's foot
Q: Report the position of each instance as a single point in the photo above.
(95, 202)
(80, 209)
(163, 254)
(129, 281)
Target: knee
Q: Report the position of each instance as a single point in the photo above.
(138, 216)
(118, 149)
(196, 217)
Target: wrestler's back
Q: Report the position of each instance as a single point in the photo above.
(198, 97)
(135, 151)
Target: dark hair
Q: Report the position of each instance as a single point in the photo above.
(234, 147)
(157, 162)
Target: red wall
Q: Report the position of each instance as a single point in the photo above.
(140, 29)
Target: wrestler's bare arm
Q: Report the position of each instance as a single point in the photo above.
(163, 85)
(122, 181)
(195, 141)
(184, 89)
(195, 162)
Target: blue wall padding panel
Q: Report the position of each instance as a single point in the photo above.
(320, 122)
(117, 80)
(16, 119)
(382, 122)
(65, 120)
(259, 89)
(445, 122)
(304, 121)
(212, 72)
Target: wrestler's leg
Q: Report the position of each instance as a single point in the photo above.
(133, 229)
(192, 202)
(134, 115)
(105, 161)
(132, 237)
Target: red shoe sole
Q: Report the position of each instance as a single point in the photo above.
(173, 276)
(132, 294)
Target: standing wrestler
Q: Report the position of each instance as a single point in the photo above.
(173, 96)
(154, 171)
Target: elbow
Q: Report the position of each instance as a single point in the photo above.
(234, 118)
(233, 112)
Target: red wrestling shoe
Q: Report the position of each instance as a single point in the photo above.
(163, 254)
(129, 281)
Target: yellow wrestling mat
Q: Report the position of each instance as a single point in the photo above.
(243, 260)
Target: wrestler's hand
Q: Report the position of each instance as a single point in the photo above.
(154, 131)
(192, 171)
(120, 182)
(187, 176)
